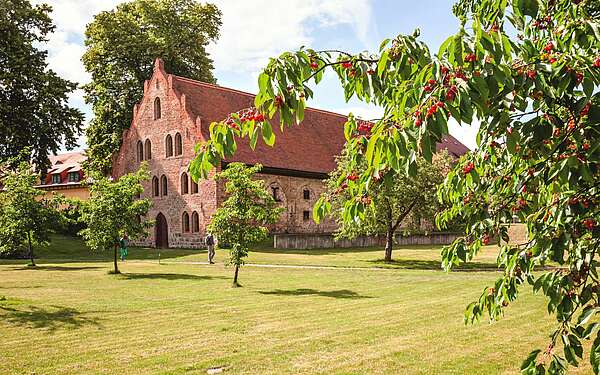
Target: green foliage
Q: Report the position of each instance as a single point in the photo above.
(113, 210)
(241, 219)
(122, 45)
(393, 198)
(528, 72)
(27, 217)
(34, 110)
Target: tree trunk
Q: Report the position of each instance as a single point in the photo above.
(30, 249)
(235, 276)
(389, 242)
(115, 260)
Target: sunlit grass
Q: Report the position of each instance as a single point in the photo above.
(72, 317)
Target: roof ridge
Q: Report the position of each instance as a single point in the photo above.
(214, 85)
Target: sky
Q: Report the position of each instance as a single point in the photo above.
(254, 30)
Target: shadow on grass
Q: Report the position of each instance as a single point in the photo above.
(40, 318)
(55, 268)
(343, 293)
(414, 264)
(167, 276)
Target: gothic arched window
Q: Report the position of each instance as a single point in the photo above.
(178, 145)
(140, 151)
(155, 187)
(169, 146)
(185, 222)
(195, 222)
(163, 185)
(157, 113)
(184, 183)
(148, 149)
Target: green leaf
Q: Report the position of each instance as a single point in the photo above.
(528, 7)
(267, 133)
(382, 64)
(595, 355)
(588, 87)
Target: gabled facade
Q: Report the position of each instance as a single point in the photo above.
(174, 115)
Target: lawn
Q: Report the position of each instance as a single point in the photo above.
(69, 316)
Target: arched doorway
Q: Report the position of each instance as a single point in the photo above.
(161, 232)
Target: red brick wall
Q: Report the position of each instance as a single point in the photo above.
(176, 117)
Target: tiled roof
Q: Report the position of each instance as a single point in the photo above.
(310, 147)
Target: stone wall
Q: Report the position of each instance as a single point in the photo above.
(316, 241)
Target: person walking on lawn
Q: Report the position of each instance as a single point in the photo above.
(210, 244)
(123, 243)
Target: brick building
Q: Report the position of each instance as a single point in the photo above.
(174, 115)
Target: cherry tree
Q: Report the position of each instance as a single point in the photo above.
(527, 72)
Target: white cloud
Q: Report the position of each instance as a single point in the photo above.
(253, 31)
(65, 45)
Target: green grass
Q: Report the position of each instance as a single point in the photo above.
(70, 316)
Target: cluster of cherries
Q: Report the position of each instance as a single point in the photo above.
(468, 167)
(521, 203)
(364, 127)
(245, 115)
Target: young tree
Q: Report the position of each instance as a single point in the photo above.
(27, 217)
(114, 210)
(33, 100)
(392, 199)
(241, 219)
(528, 72)
(122, 45)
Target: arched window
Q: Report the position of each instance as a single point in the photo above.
(169, 146)
(163, 185)
(157, 113)
(148, 150)
(155, 186)
(185, 222)
(140, 151)
(178, 145)
(194, 187)
(195, 222)
(184, 183)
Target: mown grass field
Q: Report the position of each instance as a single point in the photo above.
(69, 316)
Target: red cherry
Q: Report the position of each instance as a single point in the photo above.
(471, 57)
(353, 176)
(346, 65)
(549, 47)
(597, 62)
(314, 65)
(468, 168)
(486, 239)
(589, 223)
(418, 122)
(278, 101)
(531, 74)
(431, 81)
(556, 132)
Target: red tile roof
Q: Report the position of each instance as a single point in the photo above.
(310, 147)
(63, 164)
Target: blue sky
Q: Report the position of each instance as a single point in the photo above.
(255, 30)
